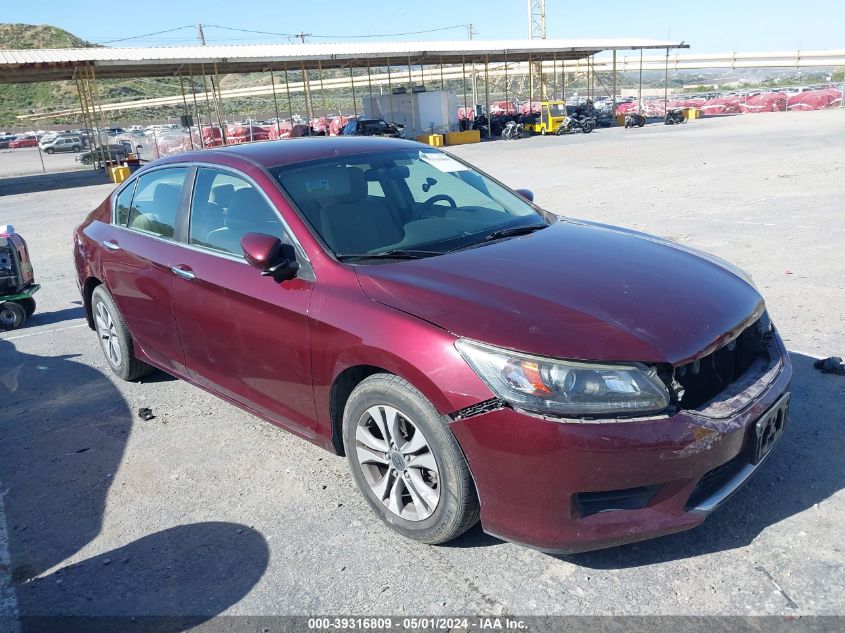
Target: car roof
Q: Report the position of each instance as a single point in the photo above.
(289, 151)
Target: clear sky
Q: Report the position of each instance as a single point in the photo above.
(709, 25)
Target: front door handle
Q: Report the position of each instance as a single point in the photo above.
(183, 271)
(111, 245)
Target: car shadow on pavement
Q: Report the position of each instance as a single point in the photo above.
(805, 469)
(64, 428)
(170, 581)
(57, 316)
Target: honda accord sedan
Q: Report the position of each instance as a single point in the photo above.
(571, 385)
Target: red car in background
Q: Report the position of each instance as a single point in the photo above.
(575, 385)
(26, 141)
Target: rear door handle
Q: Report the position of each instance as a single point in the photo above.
(183, 271)
(111, 245)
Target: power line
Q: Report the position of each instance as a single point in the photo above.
(138, 37)
(291, 35)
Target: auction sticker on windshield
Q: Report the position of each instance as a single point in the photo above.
(443, 162)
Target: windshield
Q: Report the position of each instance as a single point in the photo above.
(557, 109)
(406, 200)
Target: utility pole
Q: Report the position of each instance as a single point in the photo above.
(473, 76)
(537, 31)
(306, 83)
(200, 35)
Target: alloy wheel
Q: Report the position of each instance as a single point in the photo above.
(397, 462)
(107, 333)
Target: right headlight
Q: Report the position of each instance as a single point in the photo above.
(567, 388)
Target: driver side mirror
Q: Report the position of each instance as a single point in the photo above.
(270, 256)
(526, 193)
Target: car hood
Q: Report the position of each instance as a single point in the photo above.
(576, 290)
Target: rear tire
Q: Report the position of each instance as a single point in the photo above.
(406, 462)
(28, 306)
(115, 340)
(12, 315)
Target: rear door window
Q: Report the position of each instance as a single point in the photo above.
(122, 204)
(155, 204)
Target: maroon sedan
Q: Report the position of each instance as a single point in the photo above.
(571, 384)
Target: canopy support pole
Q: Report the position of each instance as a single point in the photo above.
(507, 98)
(613, 96)
(309, 106)
(322, 89)
(563, 80)
(92, 87)
(487, 95)
(666, 85)
(640, 89)
(464, 75)
(185, 104)
(86, 116)
(275, 103)
(530, 86)
(390, 89)
(197, 108)
(352, 80)
(290, 102)
(218, 100)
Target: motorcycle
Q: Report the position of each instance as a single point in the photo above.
(675, 117)
(512, 131)
(634, 119)
(584, 124)
(497, 124)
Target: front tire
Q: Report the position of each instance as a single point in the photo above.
(49, 150)
(115, 340)
(406, 462)
(12, 315)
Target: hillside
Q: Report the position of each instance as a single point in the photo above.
(22, 98)
(17, 36)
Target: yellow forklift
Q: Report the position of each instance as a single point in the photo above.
(551, 117)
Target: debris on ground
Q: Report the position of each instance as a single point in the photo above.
(146, 414)
(830, 365)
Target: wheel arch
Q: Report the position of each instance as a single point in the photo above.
(342, 387)
(87, 291)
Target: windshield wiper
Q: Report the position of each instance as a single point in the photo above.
(511, 232)
(503, 233)
(394, 254)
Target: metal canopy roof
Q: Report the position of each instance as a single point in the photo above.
(32, 65)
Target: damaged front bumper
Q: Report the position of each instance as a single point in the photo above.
(569, 487)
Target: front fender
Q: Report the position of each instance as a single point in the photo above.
(349, 330)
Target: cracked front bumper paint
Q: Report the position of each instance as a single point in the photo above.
(529, 471)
